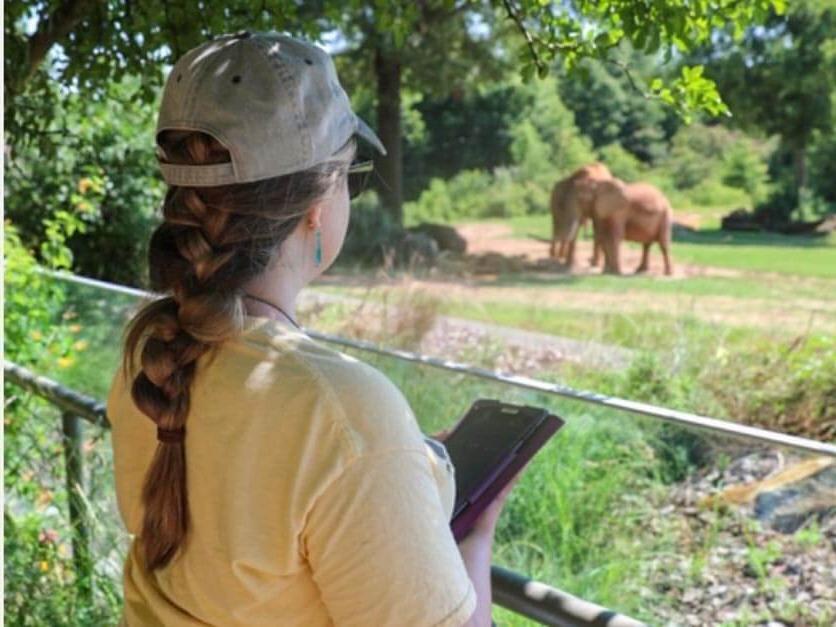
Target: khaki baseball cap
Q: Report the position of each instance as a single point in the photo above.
(272, 100)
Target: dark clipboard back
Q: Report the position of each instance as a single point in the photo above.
(528, 429)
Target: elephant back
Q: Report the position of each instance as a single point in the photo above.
(648, 198)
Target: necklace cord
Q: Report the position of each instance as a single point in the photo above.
(276, 307)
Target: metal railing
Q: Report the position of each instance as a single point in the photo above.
(688, 419)
(532, 599)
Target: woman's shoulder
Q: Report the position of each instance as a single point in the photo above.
(375, 414)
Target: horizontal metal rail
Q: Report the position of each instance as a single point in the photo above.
(64, 398)
(534, 600)
(687, 419)
(548, 605)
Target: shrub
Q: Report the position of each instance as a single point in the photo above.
(712, 193)
(822, 158)
(743, 168)
(621, 162)
(371, 231)
(34, 301)
(101, 171)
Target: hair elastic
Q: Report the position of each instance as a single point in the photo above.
(171, 436)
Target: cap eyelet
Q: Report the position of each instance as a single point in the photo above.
(179, 76)
(236, 79)
(308, 61)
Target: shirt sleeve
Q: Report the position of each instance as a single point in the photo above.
(380, 548)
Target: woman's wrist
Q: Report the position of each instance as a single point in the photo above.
(477, 542)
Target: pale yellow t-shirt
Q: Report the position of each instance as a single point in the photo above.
(314, 497)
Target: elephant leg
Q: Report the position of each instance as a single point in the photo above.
(597, 247)
(613, 234)
(562, 252)
(570, 253)
(645, 258)
(665, 246)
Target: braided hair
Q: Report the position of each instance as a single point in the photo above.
(212, 241)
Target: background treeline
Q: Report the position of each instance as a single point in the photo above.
(485, 147)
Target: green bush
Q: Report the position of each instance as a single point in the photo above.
(822, 158)
(621, 163)
(34, 301)
(99, 170)
(371, 231)
(744, 169)
(41, 586)
(475, 195)
(695, 152)
(712, 193)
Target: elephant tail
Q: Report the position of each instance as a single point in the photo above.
(666, 225)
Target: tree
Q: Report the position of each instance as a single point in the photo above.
(427, 47)
(106, 39)
(780, 78)
(609, 110)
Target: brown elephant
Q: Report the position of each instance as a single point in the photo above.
(572, 200)
(637, 212)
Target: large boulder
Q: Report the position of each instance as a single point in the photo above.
(445, 236)
(416, 249)
(740, 220)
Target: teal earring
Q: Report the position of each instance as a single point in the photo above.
(318, 249)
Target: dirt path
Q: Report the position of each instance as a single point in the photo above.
(511, 350)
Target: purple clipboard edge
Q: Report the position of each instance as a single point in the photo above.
(463, 523)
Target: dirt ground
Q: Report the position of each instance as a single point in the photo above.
(799, 315)
(498, 238)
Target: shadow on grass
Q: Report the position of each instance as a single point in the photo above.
(713, 237)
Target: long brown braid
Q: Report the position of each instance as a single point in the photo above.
(212, 241)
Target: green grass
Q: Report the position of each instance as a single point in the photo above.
(632, 286)
(759, 252)
(640, 329)
(731, 287)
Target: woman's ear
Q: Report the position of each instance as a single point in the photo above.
(314, 217)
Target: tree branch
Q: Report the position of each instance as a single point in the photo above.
(626, 70)
(528, 38)
(53, 30)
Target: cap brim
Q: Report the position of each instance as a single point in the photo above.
(365, 132)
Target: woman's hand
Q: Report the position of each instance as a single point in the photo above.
(441, 435)
(486, 523)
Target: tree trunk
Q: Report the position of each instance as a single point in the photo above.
(387, 66)
(799, 161)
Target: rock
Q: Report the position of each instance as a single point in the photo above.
(445, 236)
(416, 248)
(740, 220)
(788, 508)
(494, 263)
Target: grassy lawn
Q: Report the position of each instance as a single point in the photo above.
(731, 287)
(758, 252)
